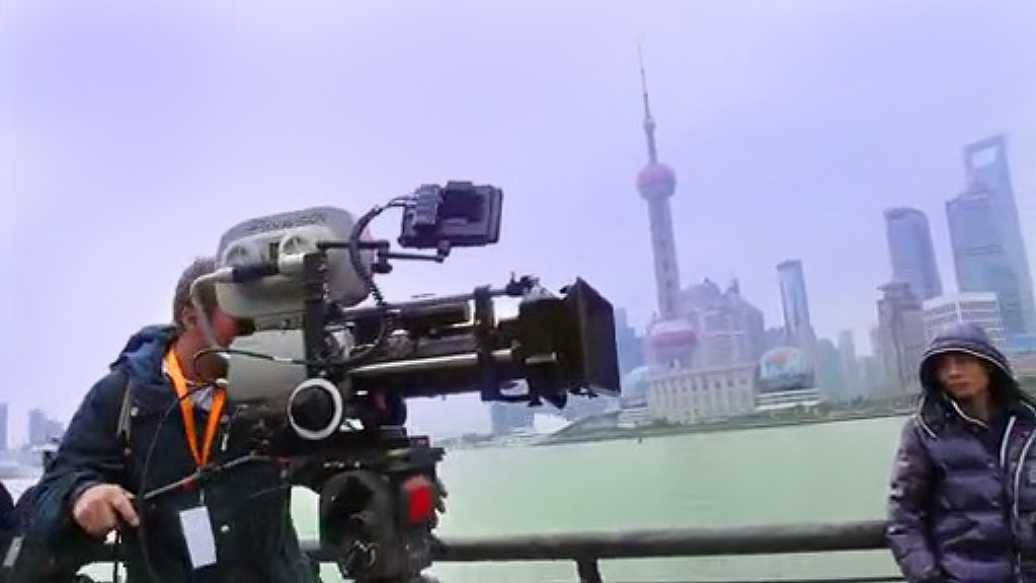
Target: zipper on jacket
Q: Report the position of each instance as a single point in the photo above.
(1017, 487)
(1003, 442)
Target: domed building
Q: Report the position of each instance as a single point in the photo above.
(786, 379)
(635, 384)
(670, 343)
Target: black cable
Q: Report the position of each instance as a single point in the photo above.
(240, 505)
(367, 276)
(257, 355)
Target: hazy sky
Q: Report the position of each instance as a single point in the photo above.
(131, 136)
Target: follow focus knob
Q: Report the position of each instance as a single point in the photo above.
(315, 409)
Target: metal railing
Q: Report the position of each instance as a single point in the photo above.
(587, 550)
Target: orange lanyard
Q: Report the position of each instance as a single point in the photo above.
(172, 367)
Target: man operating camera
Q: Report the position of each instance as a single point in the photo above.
(153, 421)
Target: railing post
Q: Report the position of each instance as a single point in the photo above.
(589, 571)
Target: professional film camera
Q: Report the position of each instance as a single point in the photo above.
(324, 381)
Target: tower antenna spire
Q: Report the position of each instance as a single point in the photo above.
(649, 120)
(656, 183)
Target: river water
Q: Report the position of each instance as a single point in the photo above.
(810, 473)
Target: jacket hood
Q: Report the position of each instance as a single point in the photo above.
(143, 353)
(969, 339)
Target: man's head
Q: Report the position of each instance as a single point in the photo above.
(189, 330)
(963, 362)
(964, 376)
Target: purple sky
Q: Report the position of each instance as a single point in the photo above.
(131, 136)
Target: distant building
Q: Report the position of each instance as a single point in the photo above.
(830, 375)
(911, 252)
(1024, 366)
(506, 418)
(670, 343)
(786, 379)
(979, 308)
(901, 337)
(989, 250)
(635, 385)
(795, 304)
(774, 338)
(1022, 344)
(981, 258)
(43, 429)
(729, 331)
(628, 344)
(872, 376)
(850, 365)
(4, 445)
(694, 396)
(581, 406)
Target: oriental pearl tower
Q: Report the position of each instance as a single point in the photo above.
(671, 337)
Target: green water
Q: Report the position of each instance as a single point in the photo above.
(814, 473)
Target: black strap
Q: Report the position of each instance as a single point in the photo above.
(126, 412)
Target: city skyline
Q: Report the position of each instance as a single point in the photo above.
(790, 131)
(792, 285)
(910, 248)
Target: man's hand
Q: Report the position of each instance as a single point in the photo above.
(99, 509)
(440, 496)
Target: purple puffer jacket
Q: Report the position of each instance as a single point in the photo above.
(963, 501)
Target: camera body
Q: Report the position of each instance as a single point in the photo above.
(324, 380)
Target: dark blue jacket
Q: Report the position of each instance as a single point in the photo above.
(8, 520)
(963, 493)
(249, 508)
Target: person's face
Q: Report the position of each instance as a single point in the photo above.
(963, 376)
(224, 327)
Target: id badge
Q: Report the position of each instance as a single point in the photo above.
(197, 533)
(12, 553)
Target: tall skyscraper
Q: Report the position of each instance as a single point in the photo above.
(987, 170)
(4, 446)
(795, 304)
(850, 365)
(628, 343)
(507, 418)
(829, 373)
(42, 428)
(911, 251)
(901, 336)
(656, 183)
(980, 257)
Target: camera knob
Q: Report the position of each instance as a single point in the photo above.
(315, 409)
